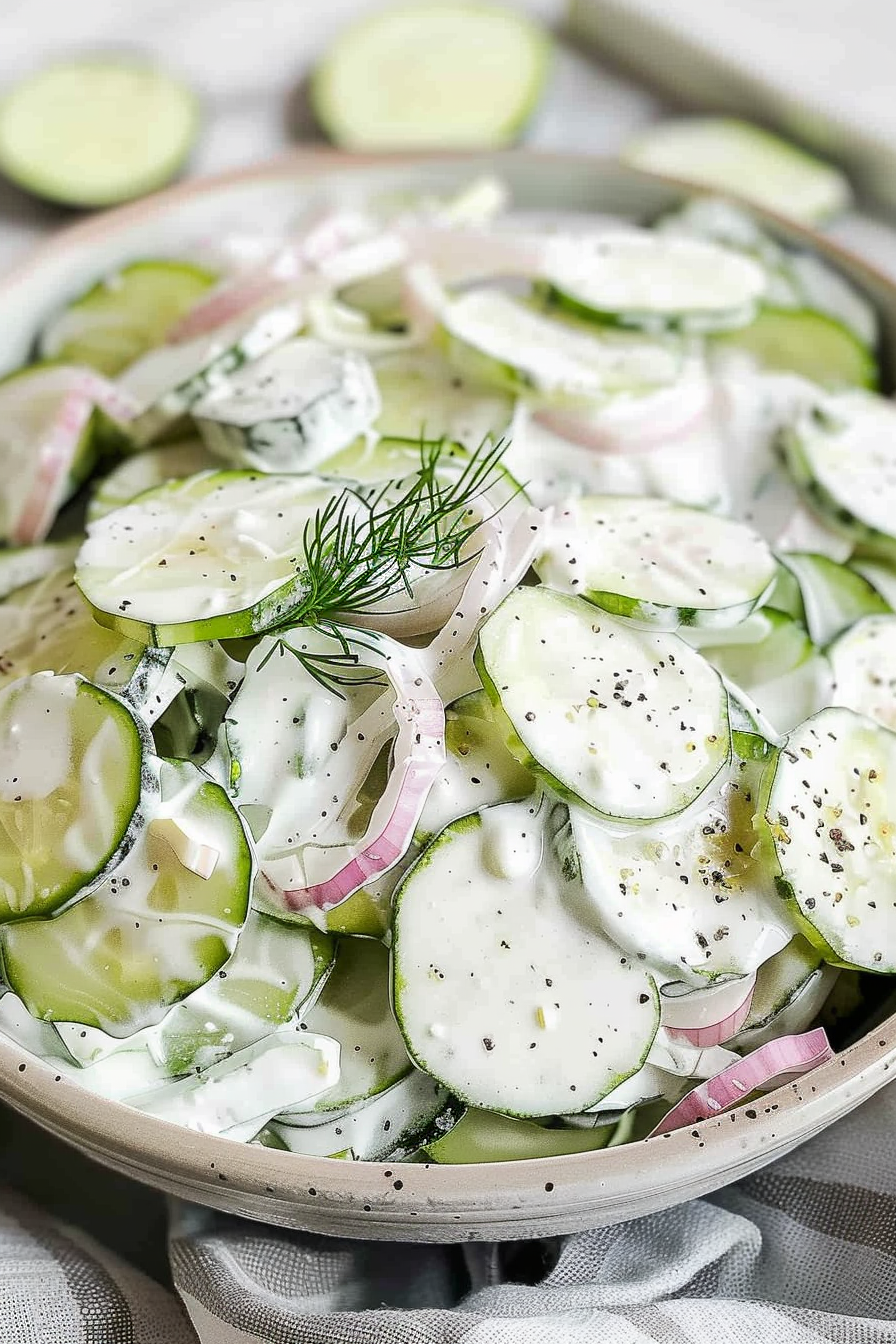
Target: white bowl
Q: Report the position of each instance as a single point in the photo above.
(409, 1202)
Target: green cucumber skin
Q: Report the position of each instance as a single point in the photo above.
(863, 368)
(685, 323)
(655, 616)
(871, 542)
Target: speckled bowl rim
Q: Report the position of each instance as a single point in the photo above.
(429, 1202)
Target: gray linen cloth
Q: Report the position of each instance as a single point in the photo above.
(804, 1251)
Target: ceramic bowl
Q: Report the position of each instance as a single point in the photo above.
(410, 1202)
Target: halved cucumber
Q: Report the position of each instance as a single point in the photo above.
(488, 64)
(70, 783)
(842, 454)
(834, 596)
(832, 819)
(535, 1015)
(21, 566)
(354, 1008)
(747, 160)
(498, 340)
(630, 723)
(123, 315)
(484, 1136)
(146, 471)
(689, 895)
(804, 342)
(218, 555)
(160, 924)
(655, 562)
(290, 409)
(650, 281)
(864, 664)
(168, 380)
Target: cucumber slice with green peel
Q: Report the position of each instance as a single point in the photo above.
(787, 596)
(290, 409)
(374, 88)
(162, 923)
(22, 566)
(147, 471)
(534, 1015)
(354, 1008)
(791, 990)
(841, 451)
(652, 281)
(656, 562)
(123, 315)
(485, 1136)
(864, 665)
(496, 339)
(725, 154)
(423, 397)
(632, 724)
(827, 291)
(688, 895)
(834, 596)
(800, 341)
(168, 380)
(214, 556)
(70, 787)
(370, 460)
(831, 819)
(881, 576)
(97, 131)
(394, 1125)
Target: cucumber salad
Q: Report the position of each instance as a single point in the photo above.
(448, 678)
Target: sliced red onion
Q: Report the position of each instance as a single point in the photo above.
(707, 1017)
(636, 424)
(773, 1064)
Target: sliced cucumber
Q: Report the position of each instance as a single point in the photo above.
(123, 315)
(808, 343)
(736, 156)
(791, 989)
(832, 819)
(864, 664)
(96, 131)
(493, 62)
(834, 597)
(290, 409)
(70, 776)
(842, 454)
(656, 562)
(689, 896)
(650, 281)
(423, 397)
(168, 380)
(630, 723)
(484, 1136)
(499, 340)
(395, 1124)
(146, 471)
(533, 1015)
(881, 576)
(161, 924)
(24, 565)
(214, 556)
(354, 1008)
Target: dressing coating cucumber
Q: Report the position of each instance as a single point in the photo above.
(483, 1136)
(70, 786)
(833, 596)
(146, 471)
(791, 989)
(630, 723)
(23, 565)
(864, 666)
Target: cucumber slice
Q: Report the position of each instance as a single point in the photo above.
(791, 989)
(161, 924)
(729, 155)
(831, 818)
(423, 397)
(70, 773)
(650, 281)
(880, 575)
(374, 89)
(864, 664)
(656, 562)
(24, 565)
(630, 723)
(689, 896)
(168, 380)
(484, 1136)
(354, 1008)
(834, 596)
(146, 471)
(123, 315)
(535, 1014)
(841, 452)
(214, 556)
(800, 341)
(96, 132)
(496, 339)
(290, 409)
(394, 1125)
